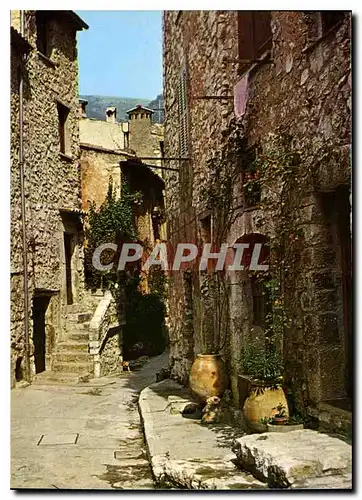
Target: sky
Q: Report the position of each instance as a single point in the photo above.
(120, 54)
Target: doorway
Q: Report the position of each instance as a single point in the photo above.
(68, 251)
(40, 305)
(337, 210)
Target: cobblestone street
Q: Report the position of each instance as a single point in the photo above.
(85, 436)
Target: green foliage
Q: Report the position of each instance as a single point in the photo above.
(265, 420)
(281, 411)
(296, 419)
(262, 363)
(157, 282)
(145, 326)
(112, 222)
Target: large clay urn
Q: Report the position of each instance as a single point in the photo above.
(260, 404)
(208, 376)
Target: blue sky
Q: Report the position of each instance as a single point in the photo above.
(121, 53)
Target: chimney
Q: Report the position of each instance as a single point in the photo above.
(83, 108)
(111, 114)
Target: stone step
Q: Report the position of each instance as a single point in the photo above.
(72, 346)
(76, 356)
(77, 318)
(79, 335)
(72, 366)
(75, 327)
(285, 459)
(77, 309)
(55, 378)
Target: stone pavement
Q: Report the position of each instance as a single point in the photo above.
(186, 454)
(81, 436)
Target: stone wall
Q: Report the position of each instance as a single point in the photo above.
(52, 179)
(304, 92)
(111, 354)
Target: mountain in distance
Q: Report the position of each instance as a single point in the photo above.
(97, 105)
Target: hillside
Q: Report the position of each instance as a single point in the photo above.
(97, 106)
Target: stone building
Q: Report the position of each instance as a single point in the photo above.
(251, 93)
(115, 150)
(45, 185)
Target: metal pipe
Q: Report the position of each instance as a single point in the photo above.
(23, 211)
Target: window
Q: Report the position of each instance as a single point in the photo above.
(42, 34)
(205, 229)
(320, 23)
(183, 114)
(255, 36)
(63, 113)
(250, 179)
(162, 148)
(330, 18)
(260, 302)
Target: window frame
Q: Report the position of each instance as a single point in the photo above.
(250, 49)
(43, 42)
(63, 112)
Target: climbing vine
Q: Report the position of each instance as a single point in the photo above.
(112, 222)
(272, 181)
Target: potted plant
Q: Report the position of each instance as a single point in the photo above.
(280, 417)
(263, 367)
(294, 423)
(208, 376)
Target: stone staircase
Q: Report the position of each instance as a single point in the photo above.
(72, 362)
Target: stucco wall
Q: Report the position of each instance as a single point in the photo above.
(97, 168)
(101, 133)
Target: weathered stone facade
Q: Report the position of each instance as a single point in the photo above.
(52, 180)
(104, 144)
(302, 91)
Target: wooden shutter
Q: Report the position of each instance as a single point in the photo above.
(246, 35)
(183, 114)
(262, 33)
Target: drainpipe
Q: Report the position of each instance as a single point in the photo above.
(23, 213)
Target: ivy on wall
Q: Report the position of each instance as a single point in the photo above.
(113, 222)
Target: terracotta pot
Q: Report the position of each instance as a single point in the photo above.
(208, 376)
(280, 420)
(261, 403)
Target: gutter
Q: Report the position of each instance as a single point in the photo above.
(23, 212)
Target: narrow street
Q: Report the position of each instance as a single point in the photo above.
(85, 436)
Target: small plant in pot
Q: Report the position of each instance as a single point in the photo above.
(280, 417)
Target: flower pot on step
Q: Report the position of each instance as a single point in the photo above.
(280, 420)
(208, 376)
(261, 403)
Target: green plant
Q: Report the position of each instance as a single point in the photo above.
(112, 222)
(261, 363)
(265, 420)
(295, 420)
(281, 411)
